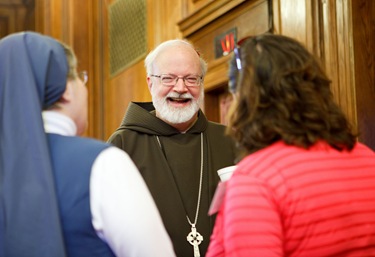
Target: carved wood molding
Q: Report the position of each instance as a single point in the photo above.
(203, 26)
(232, 14)
(205, 15)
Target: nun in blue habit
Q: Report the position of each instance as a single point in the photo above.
(33, 74)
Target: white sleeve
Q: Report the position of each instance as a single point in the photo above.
(123, 211)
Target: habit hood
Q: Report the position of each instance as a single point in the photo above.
(33, 71)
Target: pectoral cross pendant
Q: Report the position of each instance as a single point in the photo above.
(195, 239)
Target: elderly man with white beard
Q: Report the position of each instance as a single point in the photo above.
(176, 149)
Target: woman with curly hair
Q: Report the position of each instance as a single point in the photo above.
(305, 186)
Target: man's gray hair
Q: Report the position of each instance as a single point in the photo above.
(151, 57)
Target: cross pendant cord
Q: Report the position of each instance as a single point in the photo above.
(194, 238)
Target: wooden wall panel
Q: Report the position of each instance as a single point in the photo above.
(81, 29)
(325, 27)
(363, 12)
(338, 54)
(202, 34)
(7, 21)
(212, 20)
(50, 20)
(162, 23)
(292, 19)
(191, 6)
(73, 22)
(98, 65)
(16, 16)
(299, 19)
(130, 84)
(206, 14)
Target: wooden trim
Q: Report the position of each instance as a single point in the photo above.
(217, 75)
(276, 16)
(205, 15)
(338, 54)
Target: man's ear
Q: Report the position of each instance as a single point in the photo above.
(68, 93)
(149, 83)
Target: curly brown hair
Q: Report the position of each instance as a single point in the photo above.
(283, 94)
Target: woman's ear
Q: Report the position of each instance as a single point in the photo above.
(68, 93)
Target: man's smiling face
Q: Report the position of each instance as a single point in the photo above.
(179, 103)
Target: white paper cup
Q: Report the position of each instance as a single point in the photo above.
(226, 172)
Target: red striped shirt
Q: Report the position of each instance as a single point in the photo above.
(288, 201)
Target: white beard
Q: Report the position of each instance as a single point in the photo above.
(176, 115)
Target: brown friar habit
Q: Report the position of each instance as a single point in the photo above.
(172, 170)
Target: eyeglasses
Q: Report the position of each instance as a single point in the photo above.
(170, 80)
(233, 73)
(237, 53)
(83, 76)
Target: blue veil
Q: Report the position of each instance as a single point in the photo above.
(33, 71)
